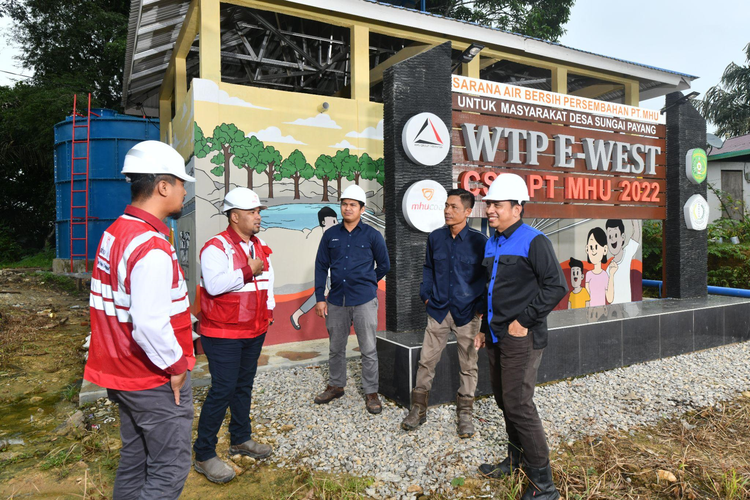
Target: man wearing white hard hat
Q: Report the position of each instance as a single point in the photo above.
(525, 282)
(357, 258)
(141, 334)
(236, 297)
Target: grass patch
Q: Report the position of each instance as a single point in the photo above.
(60, 283)
(702, 454)
(42, 260)
(61, 460)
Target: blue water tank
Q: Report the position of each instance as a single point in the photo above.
(112, 135)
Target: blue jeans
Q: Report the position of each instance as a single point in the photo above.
(233, 364)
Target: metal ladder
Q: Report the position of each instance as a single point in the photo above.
(79, 184)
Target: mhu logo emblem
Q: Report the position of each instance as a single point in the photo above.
(428, 193)
(426, 139)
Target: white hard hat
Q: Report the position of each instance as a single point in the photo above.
(154, 157)
(354, 192)
(508, 187)
(243, 199)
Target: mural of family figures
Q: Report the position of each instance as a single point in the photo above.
(610, 254)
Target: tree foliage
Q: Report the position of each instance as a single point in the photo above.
(535, 18)
(79, 44)
(727, 104)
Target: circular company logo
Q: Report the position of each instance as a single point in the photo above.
(426, 139)
(423, 205)
(696, 165)
(696, 213)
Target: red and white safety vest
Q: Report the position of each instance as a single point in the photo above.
(244, 313)
(115, 360)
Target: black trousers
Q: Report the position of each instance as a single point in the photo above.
(513, 367)
(232, 364)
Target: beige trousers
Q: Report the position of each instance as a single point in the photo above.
(435, 338)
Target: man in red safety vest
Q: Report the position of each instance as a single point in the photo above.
(141, 334)
(237, 302)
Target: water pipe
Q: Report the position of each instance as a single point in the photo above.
(714, 290)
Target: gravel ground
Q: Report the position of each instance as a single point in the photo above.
(343, 437)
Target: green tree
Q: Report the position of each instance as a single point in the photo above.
(269, 159)
(380, 168)
(535, 18)
(727, 104)
(76, 44)
(226, 138)
(346, 165)
(325, 170)
(28, 113)
(366, 168)
(202, 145)
(246, 156)
(295, 167)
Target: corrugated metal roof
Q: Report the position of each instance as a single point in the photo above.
(736, 146)
(437, 16)
(155, 24)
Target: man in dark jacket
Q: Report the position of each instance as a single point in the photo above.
(525, 283)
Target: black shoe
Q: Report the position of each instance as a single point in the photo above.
(295, 325)
(541, 485)
(505, 468)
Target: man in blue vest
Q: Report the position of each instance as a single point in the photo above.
(525, 282)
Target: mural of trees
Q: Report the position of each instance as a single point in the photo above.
(346, 164)
(325, 170)
(246, 157)
(295, 167)
(232, 147)
(269, 158)
(226, 138)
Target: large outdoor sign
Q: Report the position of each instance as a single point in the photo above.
(581, 158)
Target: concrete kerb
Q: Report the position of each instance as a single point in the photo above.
(279, 357)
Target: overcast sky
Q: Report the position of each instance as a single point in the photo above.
(698, 38)
(695, 37)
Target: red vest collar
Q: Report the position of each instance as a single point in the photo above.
(147, 218)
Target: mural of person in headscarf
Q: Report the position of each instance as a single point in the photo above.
(579, 297)
(327, 219)
(622, 258)
(597, 280)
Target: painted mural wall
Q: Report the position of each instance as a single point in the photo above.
(299, 157)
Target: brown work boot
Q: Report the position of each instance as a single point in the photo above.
(372, 403)
(464, 409)
(329, 395)
(251, 449)
(418, 413)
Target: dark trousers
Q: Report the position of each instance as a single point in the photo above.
(232, 364)
(156, 434)
(513, 368)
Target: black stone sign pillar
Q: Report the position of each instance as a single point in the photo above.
(686, 250)
(416, 85)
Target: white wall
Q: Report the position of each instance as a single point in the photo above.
(714, 178)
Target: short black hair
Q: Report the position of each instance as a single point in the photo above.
(615, 223)
(361, 203)
(142, 185)
(325, 212)
(466, 197)
(575, 263)
(513, 203)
